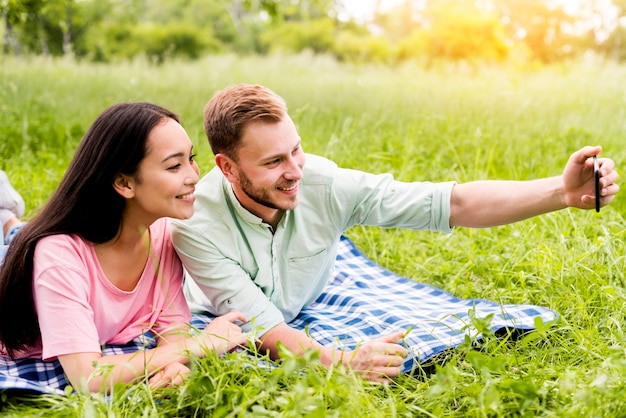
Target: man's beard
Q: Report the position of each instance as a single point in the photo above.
(262, 196)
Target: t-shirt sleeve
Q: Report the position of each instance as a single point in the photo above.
(62, 301)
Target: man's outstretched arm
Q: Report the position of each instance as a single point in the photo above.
(377, 360)
(490, 203)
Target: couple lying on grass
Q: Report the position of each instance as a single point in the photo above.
(102, 262)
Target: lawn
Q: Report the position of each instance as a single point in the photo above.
(451, 122)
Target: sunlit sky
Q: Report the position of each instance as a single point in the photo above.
(363, 10)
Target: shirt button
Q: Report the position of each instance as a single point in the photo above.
(229, 302)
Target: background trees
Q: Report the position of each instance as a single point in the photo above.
(542, 31)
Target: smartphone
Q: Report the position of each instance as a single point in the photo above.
(596, 175)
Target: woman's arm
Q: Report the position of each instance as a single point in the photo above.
(96, 373)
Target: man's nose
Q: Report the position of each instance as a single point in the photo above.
(294, 169)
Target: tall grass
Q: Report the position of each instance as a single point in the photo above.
(449, 123)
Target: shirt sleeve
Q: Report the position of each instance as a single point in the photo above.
(65, 317)
(220, 280)
(381, 200)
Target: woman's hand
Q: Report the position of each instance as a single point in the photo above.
(223, 334)
(171, 375)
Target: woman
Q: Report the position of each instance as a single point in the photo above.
(96, 265)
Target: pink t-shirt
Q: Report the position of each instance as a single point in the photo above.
(79, 309)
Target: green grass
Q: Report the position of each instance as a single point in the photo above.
(450, 123)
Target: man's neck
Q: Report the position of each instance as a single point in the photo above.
(270, 216)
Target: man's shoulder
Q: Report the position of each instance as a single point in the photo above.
(210, 203)
(317, 168)
(211, 181)
(317, 161)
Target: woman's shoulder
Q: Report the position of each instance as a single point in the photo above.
(160, 230)
(60, 259)
(63, 241)
(160, 239)
(63, 247)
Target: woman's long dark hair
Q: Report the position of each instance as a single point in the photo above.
(85, 203)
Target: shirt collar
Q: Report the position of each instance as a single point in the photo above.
(242, 212)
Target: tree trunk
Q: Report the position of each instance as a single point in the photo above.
(10, 42)
(67, 33)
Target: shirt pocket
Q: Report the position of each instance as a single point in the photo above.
(307, 276)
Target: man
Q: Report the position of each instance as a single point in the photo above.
(268, 219)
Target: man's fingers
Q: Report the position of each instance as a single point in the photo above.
(583, 154)
(608, 175)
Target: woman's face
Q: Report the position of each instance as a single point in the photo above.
(165, 181)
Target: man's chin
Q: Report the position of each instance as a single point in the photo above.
(291, 205)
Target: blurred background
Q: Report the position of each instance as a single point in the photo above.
(533, 32)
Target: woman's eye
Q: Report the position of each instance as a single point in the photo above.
(174, 167)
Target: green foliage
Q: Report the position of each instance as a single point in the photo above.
(352, 47)
(157, 43)
(314, 35)
(413, 46)
(452, 122)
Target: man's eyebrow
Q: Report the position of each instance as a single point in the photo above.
(280, 155)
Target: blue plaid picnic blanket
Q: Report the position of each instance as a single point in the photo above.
(361, 301)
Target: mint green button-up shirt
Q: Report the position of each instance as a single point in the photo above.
(238, 263)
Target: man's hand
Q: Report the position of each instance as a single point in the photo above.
(578, 180)
(378, 360)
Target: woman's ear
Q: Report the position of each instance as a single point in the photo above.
(124, 186)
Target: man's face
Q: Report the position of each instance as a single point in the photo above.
(269, 168)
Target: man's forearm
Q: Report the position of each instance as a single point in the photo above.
(297, 342)
(491, 203)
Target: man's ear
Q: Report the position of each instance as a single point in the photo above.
(124, 186)
(228, 166)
